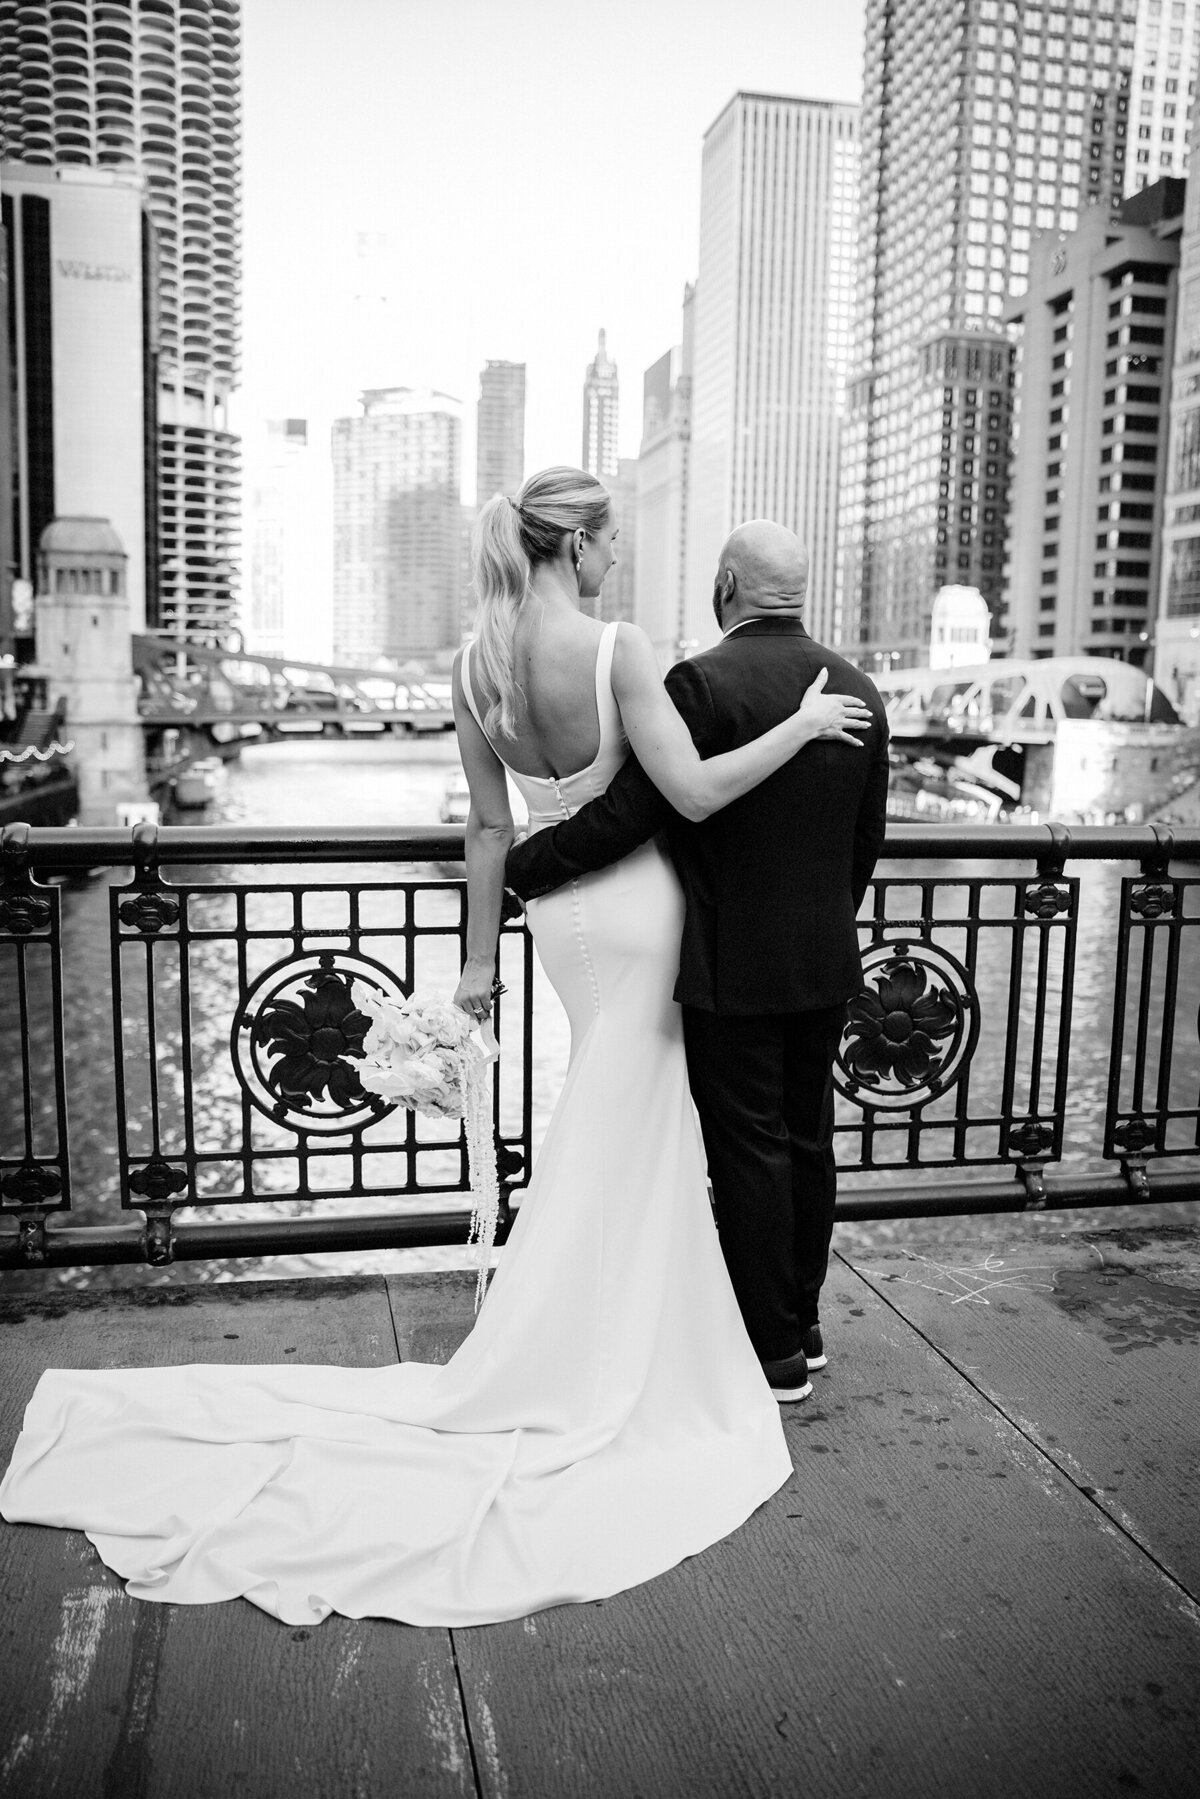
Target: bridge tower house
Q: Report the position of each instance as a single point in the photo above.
(83, 649)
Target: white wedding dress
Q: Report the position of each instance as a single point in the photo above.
(605, 1418)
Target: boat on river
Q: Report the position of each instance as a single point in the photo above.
(38, 785)
(198, 784)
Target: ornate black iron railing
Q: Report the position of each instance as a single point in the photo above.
(235, 1031)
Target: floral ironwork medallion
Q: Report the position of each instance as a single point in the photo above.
(149, 911)
(510, 1164)
(912, 1029)
(1047, 899)
(1155, 900)
(292, 1032)
(1030, 1137)
(1135, 1135)
(21, 914)
(158, 1181)
(31, 1184)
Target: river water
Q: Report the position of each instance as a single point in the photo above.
(373, 782)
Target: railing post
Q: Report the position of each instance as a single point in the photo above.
(1138, 1179)
(1150, 1004)
(149, 909)
(31, 1238)
(1053, 859)
(160, 1237)
(34, 1164)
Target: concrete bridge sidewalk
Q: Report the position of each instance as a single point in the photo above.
(981, 1580)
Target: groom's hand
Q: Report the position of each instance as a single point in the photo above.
(522, 873)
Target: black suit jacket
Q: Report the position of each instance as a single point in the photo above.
(772, 882)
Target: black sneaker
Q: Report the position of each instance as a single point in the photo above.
(814, 1348)
(788, 1378)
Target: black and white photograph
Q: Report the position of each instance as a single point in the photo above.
(599, 899)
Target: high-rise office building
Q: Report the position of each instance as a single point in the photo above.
(286, 589)
(662, 495)
(1096, 328)
(156, 89)
(1175, 636)
(983, 122)
(1165, 54)
(601, 397)
(500, 430)
(76, 361)
(617, 598)
(774, 311)
(397, 527)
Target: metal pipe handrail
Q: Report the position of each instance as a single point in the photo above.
(69, 847)
(859, 1202)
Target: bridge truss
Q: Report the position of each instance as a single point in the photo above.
(218, 691)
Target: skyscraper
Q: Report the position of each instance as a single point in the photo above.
(617, 597)
(500, 430)
(286, 601)
(774, 308)
(156, 89)
(601, 394)
(1096, 326)
(1176, 634)
(983, 121)
(76, 361)
(397, 528)
(662, 494)
(1165, 52)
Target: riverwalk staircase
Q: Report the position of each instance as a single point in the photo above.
(982, 1579)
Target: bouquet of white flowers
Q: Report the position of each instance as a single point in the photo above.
(423, 1054)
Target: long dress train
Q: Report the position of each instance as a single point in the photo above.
(605, 1417)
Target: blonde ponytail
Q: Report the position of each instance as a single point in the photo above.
(502, 574)
(511, 539)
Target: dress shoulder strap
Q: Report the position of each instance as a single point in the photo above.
(606, 699)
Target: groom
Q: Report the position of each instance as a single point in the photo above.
(769, 956)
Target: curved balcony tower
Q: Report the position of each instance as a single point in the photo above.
(156, 85)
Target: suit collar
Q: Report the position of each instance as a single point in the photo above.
(764, 626)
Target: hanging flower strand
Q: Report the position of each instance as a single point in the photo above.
(475, 1061)
(422, 1053)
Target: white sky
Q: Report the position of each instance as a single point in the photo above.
(535, 165)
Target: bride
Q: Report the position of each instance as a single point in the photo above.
(607, 1415)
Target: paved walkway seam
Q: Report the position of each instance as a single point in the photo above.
(1124, 1526)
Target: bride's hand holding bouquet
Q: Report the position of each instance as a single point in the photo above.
(423, 1054)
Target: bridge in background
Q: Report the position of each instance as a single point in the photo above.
(1017, 701)
(225, 699)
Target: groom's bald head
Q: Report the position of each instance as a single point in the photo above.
(762, 571)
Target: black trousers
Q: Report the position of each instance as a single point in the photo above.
(763, 1088)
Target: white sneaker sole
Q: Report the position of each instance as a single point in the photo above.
(786, 1394)
(817, 1361)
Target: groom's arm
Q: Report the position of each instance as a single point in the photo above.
(626, 814)
(629, 811)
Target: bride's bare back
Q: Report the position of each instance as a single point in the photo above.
(557, 724)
